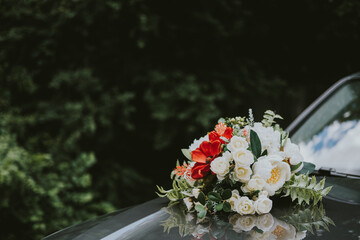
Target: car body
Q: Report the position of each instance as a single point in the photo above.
(328, 133)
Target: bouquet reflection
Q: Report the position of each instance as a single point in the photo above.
(294, 223)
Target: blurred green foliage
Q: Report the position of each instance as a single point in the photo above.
(97, 97)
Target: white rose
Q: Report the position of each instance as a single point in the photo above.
(263, 205)
(255, 183)
(234, 197)
(237, 143)
(188, 202)
(245, 189)
(265, 222)
(227, 155)
(242, 173)
(244, 206)
(263, 194)
(220, 166)
(274, 171)
(195, 192)
(245, 223)
(243, 157)
(235, 192)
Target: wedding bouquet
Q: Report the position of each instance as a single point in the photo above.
(239, 166)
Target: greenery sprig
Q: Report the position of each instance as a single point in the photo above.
(269, 118)
(305, 189)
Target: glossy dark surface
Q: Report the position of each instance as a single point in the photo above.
(145, 222)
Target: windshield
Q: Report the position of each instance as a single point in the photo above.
(330, 137)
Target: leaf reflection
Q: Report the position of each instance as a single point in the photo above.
(293, 223)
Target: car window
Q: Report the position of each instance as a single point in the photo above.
(330, 137)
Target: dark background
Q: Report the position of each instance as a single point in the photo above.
(98, 97)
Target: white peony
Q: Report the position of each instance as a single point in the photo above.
(265, 222)
(244, 206)
(242, 173)
(243, 157)
(188, 202)
(237, 143)
(263, 205)
(274, 171)
(220, 166)
(197, 142)
(269, 138)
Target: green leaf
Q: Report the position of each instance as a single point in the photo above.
(201, 198)
(320, 185)
(258, 230)
(307, 168)
(226, 194)
(227, 207)
(264, 153)
(294, 167)
(326, 191)
(199, 207)
(214, 196)
(269, 118)
(202, 213)
(313, 182)
(219, 207)
(255, 144)
(186, 153)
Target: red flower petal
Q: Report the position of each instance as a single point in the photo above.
(228, 133)
(210, 149)
(200, 170)
(214, 136)
(198, 156)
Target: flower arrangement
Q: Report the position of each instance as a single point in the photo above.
(239, 166)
